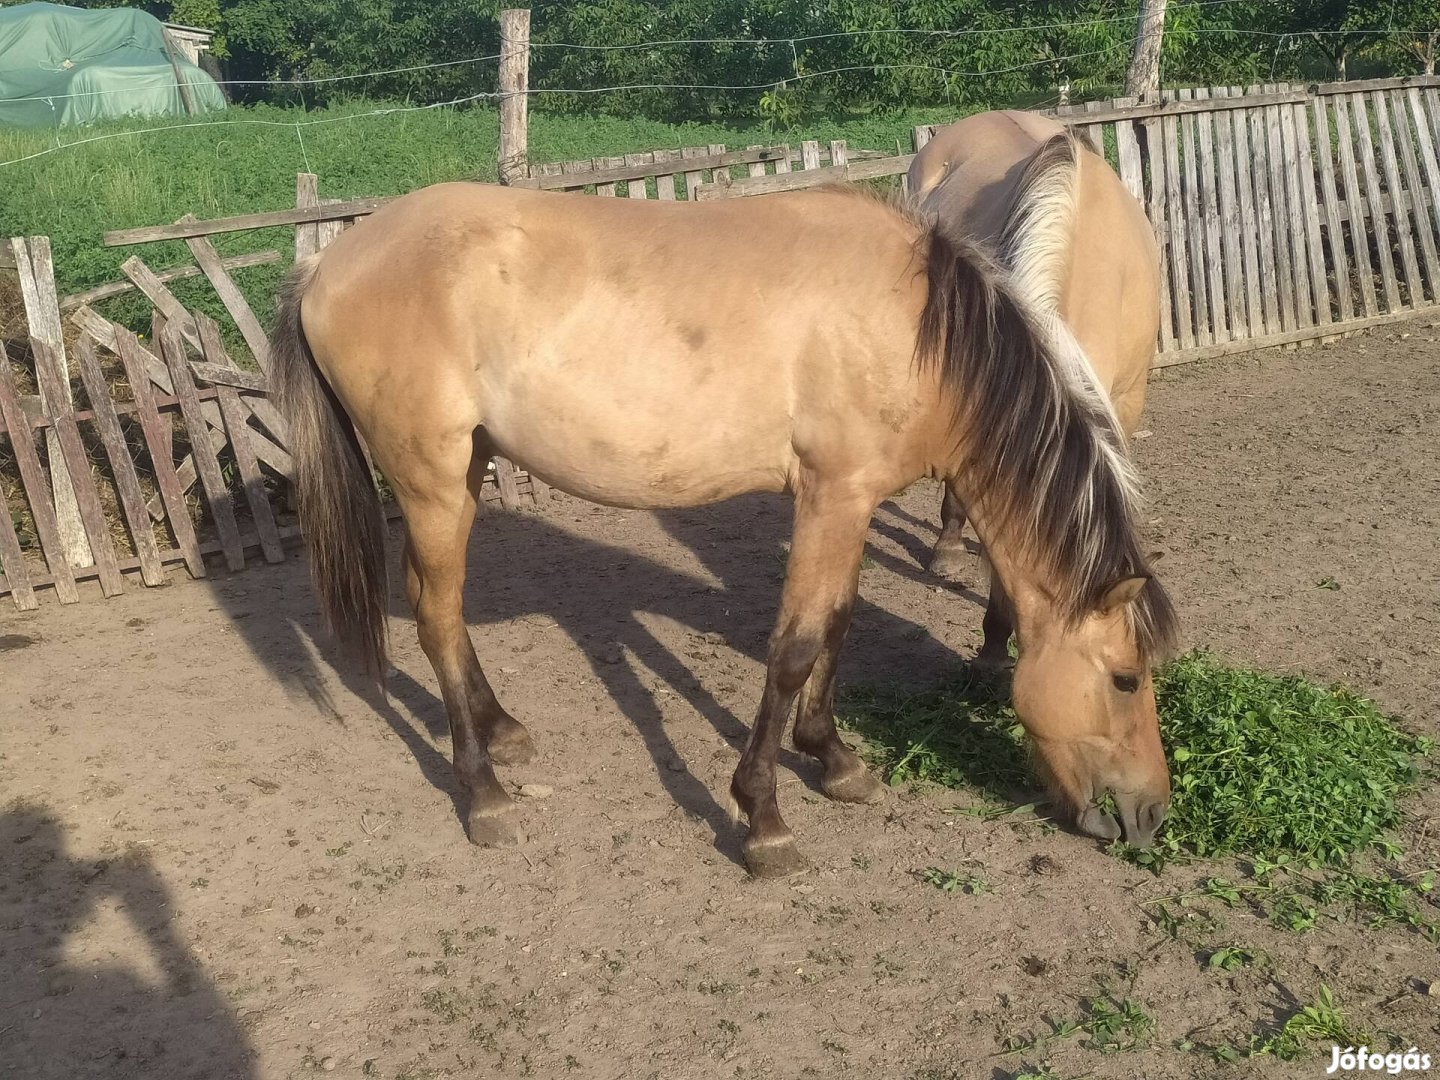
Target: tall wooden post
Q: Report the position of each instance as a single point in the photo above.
(514, 96)
(1143, 79)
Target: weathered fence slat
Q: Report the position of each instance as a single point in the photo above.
(51, 378)
(1419, 198)
(635, 188)
(1239, 120)
(1414, 289)
(1349, 173)
(1278, 175)
(1194, 227)
(210, 263)
(1261, 174)
(36, 270)
(32, 481)
(1229, 222)
(175, 273)
(12, 561)
(1157, 207)
(212, 483)
(505, 481)
(1175, 240)
(122, 468)
(1379, 227)
(157, 441)
(694, 177)
(1299, 190)
(1432, 171)
(1214, 260)
(1305, 174)
(1325, 162)
(249, 469)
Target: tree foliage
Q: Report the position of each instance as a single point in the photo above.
(789, 58)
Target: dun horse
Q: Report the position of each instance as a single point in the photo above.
(1099, 270)
(646, 354)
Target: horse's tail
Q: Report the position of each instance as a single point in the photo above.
(1036, 242)
(340, 511)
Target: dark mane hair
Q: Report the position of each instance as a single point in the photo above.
(1041, 448)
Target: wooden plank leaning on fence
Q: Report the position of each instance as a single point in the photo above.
(207, 463)
(51, 378)
(12, 561)
(32, 480)
(157, 440)
(36, 271)
(236, 417)
(122, 468)
(175, 273)
(176, 313)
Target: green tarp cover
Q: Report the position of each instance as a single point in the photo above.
(63, 65)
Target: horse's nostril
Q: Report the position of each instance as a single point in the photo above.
(1152, 816)
(1140, 818)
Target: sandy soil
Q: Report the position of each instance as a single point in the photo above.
(216, 860)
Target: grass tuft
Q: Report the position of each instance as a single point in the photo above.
(1262, 765)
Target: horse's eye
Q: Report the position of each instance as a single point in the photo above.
(1126, 684)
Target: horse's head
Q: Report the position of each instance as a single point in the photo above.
(1084, 693)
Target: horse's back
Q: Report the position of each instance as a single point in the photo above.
(629, 351)
(968, 175)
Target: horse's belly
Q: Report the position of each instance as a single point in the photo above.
(654, 439)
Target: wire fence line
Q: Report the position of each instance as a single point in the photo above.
(796, 76)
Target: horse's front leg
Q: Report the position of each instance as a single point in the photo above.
(820, 581)
(844, 776)
(949, 558)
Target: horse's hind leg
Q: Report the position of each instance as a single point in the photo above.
(439, 512)
(948, 560)
(820, 580)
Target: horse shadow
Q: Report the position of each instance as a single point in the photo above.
(66, 1013)
(600, 594)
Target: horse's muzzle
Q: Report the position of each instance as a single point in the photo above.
(1138, 820)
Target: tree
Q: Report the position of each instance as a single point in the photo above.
(1143, 77)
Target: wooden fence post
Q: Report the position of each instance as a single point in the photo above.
(514, 94)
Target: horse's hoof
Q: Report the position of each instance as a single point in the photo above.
(858, 786)
(993, 664)
(495, 828)
(511, 745)
(948, 563)
(774, 858)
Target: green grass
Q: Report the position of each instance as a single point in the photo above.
(1262, 765)
(144, 177)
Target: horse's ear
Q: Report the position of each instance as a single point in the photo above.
(1125, 591)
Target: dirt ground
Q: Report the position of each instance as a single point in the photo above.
(218, 861)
